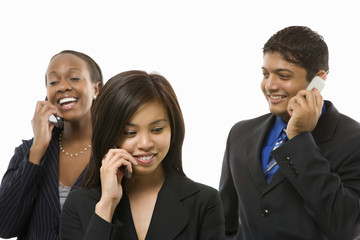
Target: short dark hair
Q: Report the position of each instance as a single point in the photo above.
(302, 46)
(94, 69)
(118, 100)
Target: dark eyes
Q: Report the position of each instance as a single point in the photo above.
(281, 76)
(130, 133)
(54, 82)
(284, 76)
(156, 130)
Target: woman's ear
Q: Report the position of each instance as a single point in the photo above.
(96, 89)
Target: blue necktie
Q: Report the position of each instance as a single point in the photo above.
(271, 166)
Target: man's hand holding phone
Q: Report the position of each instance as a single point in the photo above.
(304, 110)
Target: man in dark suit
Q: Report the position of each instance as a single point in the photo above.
(293, 173)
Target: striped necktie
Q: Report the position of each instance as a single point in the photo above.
(271, 166)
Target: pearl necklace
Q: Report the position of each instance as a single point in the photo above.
(70, 154)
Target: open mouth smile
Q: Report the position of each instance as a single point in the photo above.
(275, 98)
(68, 102)
(145, 159)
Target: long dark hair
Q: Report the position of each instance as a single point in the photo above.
(118, 100)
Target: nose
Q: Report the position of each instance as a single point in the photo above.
(145, 141)
(271, 83)
(64, 85)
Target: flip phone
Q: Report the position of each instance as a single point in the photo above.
(55, 119)
(316, 82)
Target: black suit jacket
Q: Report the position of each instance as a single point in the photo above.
(184, 210)
(315, 193)
(29, 195)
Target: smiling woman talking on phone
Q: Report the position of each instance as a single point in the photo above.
(138, 125)
(44, 169)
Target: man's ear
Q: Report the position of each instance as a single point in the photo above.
(322, 74)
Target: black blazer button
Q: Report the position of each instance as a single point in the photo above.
(265, 212)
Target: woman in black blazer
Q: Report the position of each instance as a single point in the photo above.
(135, 187)
(45, 168)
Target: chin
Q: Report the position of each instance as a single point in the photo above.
(282, 114)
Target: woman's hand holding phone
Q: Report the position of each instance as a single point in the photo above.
(111, 176)
(42, 130)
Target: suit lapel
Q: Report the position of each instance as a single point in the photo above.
(276, 180)
(253, 156)
(253, 152)
(123, 218)
(327, 124)
(50, 174)
(170, 217)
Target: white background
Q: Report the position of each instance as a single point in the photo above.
(210, 51)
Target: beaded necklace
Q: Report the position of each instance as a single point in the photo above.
(70, 154)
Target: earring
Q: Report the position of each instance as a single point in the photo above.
(94, 97)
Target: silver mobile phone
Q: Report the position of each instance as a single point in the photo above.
(316, 82)
(56, 120)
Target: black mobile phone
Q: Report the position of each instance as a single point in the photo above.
(126, 173)
(55, 119)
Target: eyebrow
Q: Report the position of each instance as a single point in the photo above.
(279, 70)
(153, 123)
(283, 70)
(70, 69)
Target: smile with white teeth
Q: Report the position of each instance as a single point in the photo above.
(145, 159)
(275, 97)
(67, 100)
